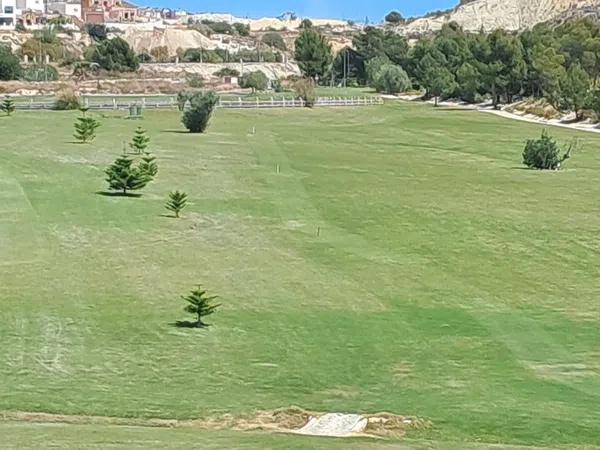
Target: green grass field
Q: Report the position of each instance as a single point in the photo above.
(446, 282)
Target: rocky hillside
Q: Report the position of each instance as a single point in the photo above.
(508, 14)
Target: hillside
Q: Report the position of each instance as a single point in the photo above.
(507, 14)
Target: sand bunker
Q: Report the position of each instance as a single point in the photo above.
(335, 424)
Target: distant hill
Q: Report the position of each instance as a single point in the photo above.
(513, 15)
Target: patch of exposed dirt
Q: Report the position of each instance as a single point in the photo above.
(284, 420)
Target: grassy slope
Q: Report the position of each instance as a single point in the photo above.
(446, 283)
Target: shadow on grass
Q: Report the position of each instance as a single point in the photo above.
(188, 324)
(117, 194)
(168, 216)
(176, 131)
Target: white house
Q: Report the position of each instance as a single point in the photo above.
(8, 13)
(30, 5)
(65, 8)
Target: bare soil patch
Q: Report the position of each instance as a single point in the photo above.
(284, 420)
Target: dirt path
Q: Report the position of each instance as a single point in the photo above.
(486, 108)
(580, 126)
(284, 420)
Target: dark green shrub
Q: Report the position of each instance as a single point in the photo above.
(97, 32)
(182, 99)
(544, 153)
(10, 69)
(242, 29)
(115, 55)
(227, 72)
(195, 81)
(197, 117)
(274, 39)
(257, 81)
(200, 55)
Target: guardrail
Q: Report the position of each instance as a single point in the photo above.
(115, 103)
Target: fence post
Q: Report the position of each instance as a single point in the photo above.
(257, 103)
(144, 102)
(114, 103)
(240, 100)
(272, 102)
(31, 103)
(283, 101)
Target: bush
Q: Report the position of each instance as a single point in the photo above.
(182, 99)
(257, 81)
(115, 54)
(197, 117)
(305, 89)
(10, 69)
(97, 32)
(67, 100)
(242, 29)
(227, 72)
(274, 40)
(391, 79)
(394, 17)
(160, 54)
(195, 81)
(544, 153)
(200, 55)
(40, 72)
(219, 27)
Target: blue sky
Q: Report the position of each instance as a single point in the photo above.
(343, 9)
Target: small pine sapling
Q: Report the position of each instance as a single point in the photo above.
(8, 106)
(140, 141)
(148, 165)
(85, 128)
(201, 305)
(177, 202)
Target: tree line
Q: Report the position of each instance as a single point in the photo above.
(558, 63)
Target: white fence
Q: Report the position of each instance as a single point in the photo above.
(168, 102)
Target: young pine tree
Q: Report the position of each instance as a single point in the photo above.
(7, 106)
(140, 141)
(123, 176)
(85, 129)
(201, 305)
(148, 165)
(177, 201)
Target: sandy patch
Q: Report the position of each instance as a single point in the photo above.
(285, 420)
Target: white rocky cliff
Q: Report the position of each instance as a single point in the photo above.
(507, 14)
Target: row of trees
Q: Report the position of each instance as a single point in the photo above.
(560, 64)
